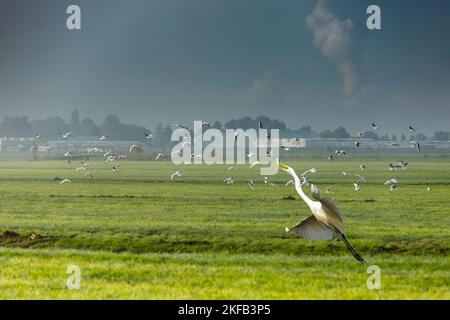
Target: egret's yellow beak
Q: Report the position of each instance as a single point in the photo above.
(283, 166)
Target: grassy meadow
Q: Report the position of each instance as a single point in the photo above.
(137, 235)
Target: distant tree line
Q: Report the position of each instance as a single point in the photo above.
(112, 127)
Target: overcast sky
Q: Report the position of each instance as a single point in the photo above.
(306, 62)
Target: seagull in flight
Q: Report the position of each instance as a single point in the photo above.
(115, 168)
(312, 170)
(103, 138)
(180, 126)
(255, 163)
(134, 148)
(149, 135)
(391, 181)
(175, 174)
(411, 129)
(159, 155)
(65, 181)
(66, 135)
(374, 126)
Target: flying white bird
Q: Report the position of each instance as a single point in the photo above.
(67, 154)
(391, 181)
(175, 174)
(65, 181)
(325, 221)
(115, 168)
(134, 148)
(312, 170)
(103, 138)
(149, 135)
(159, 155)
(411, 129)
(288, 183)
(66, 135)
(374, 126)
(357, 144)
(255, 163)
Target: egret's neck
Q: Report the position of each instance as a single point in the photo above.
(298, 187)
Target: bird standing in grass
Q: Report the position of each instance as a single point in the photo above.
(326, 220)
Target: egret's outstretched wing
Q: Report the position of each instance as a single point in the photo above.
(312, 229)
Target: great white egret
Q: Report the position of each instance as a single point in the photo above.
(326, 219)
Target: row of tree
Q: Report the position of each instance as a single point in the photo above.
(341, 132)
(55, 127)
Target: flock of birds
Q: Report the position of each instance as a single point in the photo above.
(325, 221)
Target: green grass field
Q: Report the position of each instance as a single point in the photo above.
(134, 234)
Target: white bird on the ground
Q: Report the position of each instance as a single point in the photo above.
(175, 174)
(80, 169)
(115, 168)
(429, 189)
(393, 187)
(345, 174)
(363, 167)
(159, 155)
(230, 168)
(391, 181)
(66, 135)
(229, 180)
(65, 181)
(250, 183)
(325, 221)
(357, 185)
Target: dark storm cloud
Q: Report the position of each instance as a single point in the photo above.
(176, 61)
